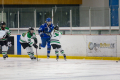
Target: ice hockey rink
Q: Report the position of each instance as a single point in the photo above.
(50, 69)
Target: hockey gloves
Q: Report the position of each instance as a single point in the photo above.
(7, 36)
(35, 45)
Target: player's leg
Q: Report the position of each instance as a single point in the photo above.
(48, 48)
(56, 51)
(61, 51)
(43, 44)
(4, 49)
(30, 52)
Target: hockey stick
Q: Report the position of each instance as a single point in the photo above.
(2, 9)
(53, 14)
(36, 54)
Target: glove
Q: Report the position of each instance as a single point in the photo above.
(35, 45)
(39, 31)
(7, 36)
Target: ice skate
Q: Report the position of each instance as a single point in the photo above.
(5, 56)
(48, 56)
(64, 57)
(33, 58)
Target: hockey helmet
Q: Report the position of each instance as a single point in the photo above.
(56, 27)
(48, 20)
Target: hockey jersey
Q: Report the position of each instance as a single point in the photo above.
(55, 37)
(45, 30)
(26, 38)
(7, 32)
(2, 34)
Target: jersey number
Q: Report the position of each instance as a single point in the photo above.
(56, 34)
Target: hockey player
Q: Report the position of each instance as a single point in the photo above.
(3, 41)
(27, 43)
(45, 32)
(55, 43)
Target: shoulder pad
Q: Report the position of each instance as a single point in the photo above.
(28, 35)
(7, 28)
(34, 33)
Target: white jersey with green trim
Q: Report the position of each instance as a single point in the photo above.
(26, 38)
(7, 31)
(55, 37)
(2, 34)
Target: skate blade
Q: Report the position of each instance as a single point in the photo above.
(33, 59)
(48, 57)
(65, 59)
(36, 60)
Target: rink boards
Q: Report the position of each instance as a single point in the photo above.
(106, 47)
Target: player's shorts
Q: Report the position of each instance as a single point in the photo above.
(3, 43)
(55, 46)
(25, 45)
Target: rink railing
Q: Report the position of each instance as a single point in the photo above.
(77, 30)
(87, 18)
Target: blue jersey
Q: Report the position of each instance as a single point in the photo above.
(45, 30)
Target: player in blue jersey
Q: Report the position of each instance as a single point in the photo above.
(45, 33)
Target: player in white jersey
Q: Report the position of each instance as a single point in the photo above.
(4, 35)
(27, 43)
(55, 43)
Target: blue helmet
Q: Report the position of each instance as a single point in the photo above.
(48, 20)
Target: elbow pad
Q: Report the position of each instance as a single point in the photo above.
(35, 40)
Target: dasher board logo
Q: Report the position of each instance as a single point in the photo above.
(92, 45)
(101, 46)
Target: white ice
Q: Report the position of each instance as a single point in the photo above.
(50, 69)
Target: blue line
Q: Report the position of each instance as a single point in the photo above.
(18, 45)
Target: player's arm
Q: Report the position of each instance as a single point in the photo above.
(31, 43)
(40, 30)
(35, 38)
(52, 33)
(28, 40)
(8, 33)
(51, 29)
(60, 34)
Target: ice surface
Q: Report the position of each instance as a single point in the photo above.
(50, 69)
